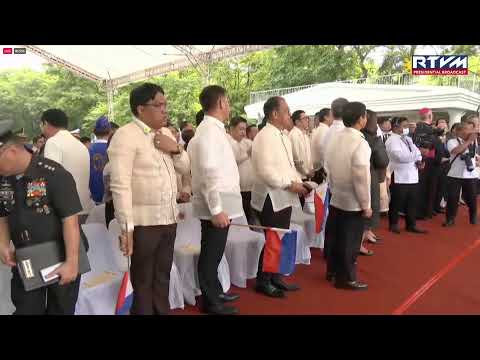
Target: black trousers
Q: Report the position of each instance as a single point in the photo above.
(428, 182)
(109, 212)
(469, 191)
(49, 300)
(247, 208)
(270, 218)
(344, 231)
(212, 248)
(441, 186)
(404, 197)
(150, 270)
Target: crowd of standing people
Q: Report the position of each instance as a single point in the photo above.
(228, 169)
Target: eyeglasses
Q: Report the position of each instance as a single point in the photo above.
(157, 106)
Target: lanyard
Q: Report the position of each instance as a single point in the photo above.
(406, 143)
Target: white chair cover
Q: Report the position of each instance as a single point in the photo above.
(6, 306)
(303, 250)
(242, 252)
(97, 215)
(105, 256)
(187, 250)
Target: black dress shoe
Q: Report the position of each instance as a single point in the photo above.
(473, 220)
(417, 231)
(351, 285)
(330, 277)
(368, 253)
(269, 290)
(395, 229)
(220, 309)
(228, 297)
(448, 223)
(280, 284)
(440, 211)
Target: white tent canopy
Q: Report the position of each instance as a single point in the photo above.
(383, 99)
(118, 65)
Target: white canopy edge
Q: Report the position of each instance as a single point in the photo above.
(183, 62)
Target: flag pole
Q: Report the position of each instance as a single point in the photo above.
(261, 227)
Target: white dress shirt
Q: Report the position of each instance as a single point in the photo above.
(459, 168)
(215, 176)
(318, 135)
(336, 127)
(68, 151)
(241, 150)
(274, 169)
(403, 154)
(301, 151)
(348, 163)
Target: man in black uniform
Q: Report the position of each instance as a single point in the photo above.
(38, 196)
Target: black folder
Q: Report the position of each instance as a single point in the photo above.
(34, 258)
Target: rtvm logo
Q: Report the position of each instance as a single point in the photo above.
(440, 65)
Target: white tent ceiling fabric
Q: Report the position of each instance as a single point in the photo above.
(126, 63)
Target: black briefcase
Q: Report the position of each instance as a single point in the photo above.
(31, 260)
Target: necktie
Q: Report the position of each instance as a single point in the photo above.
(405, 140)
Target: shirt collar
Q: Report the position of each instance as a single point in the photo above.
(214, 121)
(274, 128)
(355, 132)
(144, 127)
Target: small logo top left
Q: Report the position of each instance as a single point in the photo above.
(7, 50)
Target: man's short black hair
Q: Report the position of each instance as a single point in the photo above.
(142, 94)
(337, 107)
(55, 117)
(85, 139)
(322, 114)
(199, 117)
(397, 121)
(237, 120)
(187, 135)
(36, 138)
(210, 95)
(250, 127)
(352, 112)
(183, 125)
(297, 115)
(271, 105)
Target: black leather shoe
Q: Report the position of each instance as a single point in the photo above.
(368, 253)
(395, 229)
(330, 277)
(439, 211)
(351, 285)
(270, 290)
(228, 297)
(448, 223)
(473, 220)
(280, 284)
(220, 310)
(417, 231)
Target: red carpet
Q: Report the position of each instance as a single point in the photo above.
(402, 264)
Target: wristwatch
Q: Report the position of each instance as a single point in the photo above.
(179, 150)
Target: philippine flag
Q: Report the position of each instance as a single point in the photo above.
(125, 296)
(280, 252)
(322, 200)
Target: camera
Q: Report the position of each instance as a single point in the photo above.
(468, 162)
